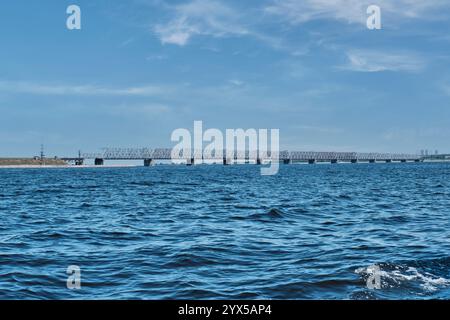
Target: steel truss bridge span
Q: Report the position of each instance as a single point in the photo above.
(190, 156)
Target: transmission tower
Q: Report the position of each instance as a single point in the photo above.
(42, 155)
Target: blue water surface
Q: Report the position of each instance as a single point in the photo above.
(206, 232)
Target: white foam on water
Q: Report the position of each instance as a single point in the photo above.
(400, 275)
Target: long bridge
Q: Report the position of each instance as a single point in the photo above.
(149, 156)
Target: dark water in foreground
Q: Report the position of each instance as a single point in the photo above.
(226, 232)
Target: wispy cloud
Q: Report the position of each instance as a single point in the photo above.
(446, 88)
(81, 90)
(146, 110)
(216, 19)
(159, 57)
(200, 17)
(236, 82)
(318, 129)
(379, 61)
(351, 11)
(412, 134)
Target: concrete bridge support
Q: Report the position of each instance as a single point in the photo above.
(389, 161)
(372, 161)
(334, 161)
(287, 161)
(99, 162)
(227, 161)
(312, 161)
(354, 161)
(148, 162)
(190, 162)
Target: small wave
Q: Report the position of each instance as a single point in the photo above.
(275, 213)
(344, 197)
(271, 214)
(189, 260)
(243, 206)
(227, 198)
(49, 191)
(154, 183)
(143, 183)
(384, 206)
(300, 210)
(395, 219)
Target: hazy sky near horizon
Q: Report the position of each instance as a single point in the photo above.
(139, 69)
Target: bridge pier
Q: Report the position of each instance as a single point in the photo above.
(98, 161)
(372, 161)
(227, 161)
(403, 161)
(354, 161)
(287, 161)
(312, 161)
(388, 161)
(258, 161)
(334, 161)
(190, 162)
(148, 162)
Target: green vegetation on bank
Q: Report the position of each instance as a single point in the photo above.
(31, 162)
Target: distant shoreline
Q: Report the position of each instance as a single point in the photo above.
(7, 162)
(64, 166)
(68, 166)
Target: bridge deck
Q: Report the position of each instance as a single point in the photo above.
(167, 154)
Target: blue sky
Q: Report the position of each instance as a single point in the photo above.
(139, 69)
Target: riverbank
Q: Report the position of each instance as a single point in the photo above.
(34, 162)
(65, 166)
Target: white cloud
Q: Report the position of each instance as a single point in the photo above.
(147, 110)
(216, 18)
(351, 11)
(200, 17)
(377, 61)
(83, 90)
(236, 82)
(157, 57)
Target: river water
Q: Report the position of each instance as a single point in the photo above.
(206, 232)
